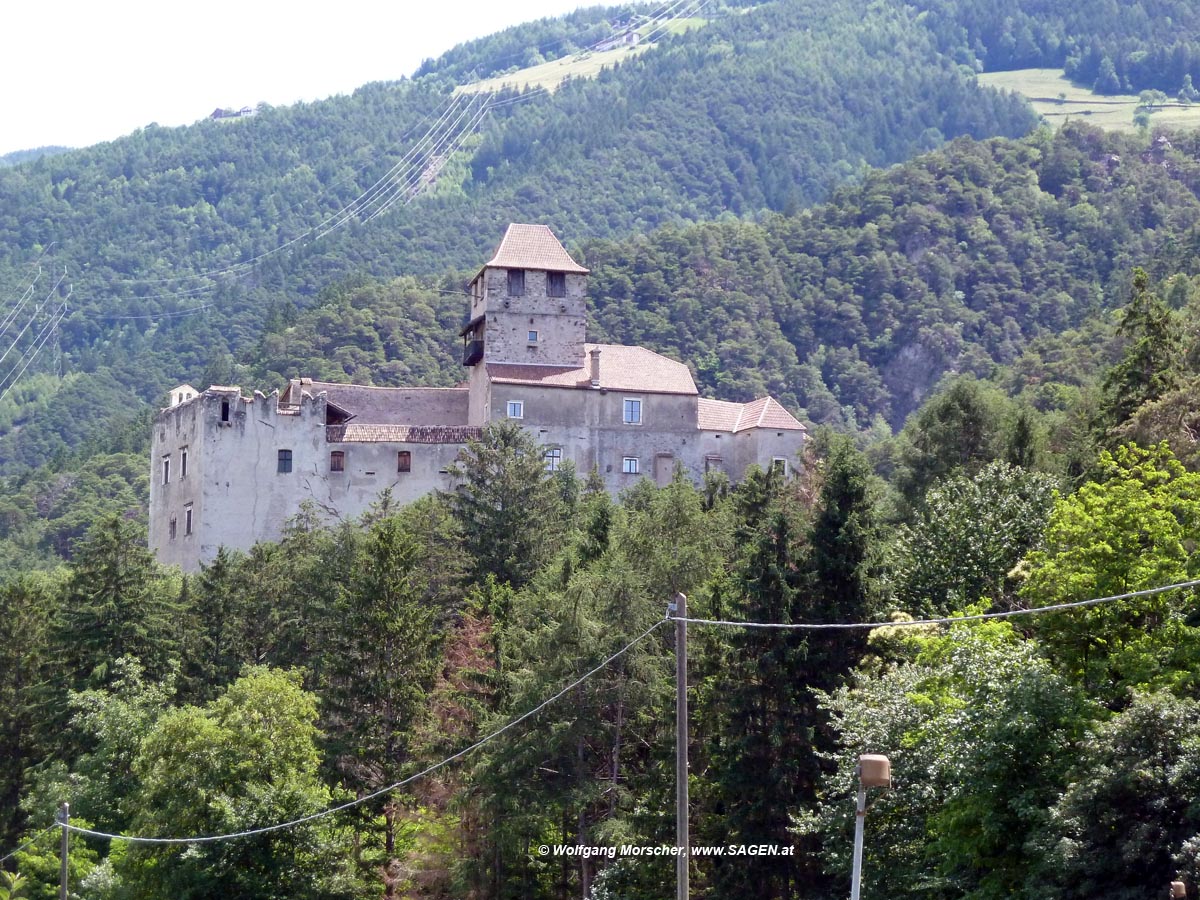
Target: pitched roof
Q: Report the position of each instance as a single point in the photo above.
(411, 434)
(765, 412)
(392, 406)
(621, 369)
(533, 247)
(718, 415)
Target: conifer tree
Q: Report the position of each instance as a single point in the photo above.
(506, 505)
(1149, 367)
(116, 603)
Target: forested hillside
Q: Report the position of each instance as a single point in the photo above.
(1112, 45)
(992, 331)
(758, 110)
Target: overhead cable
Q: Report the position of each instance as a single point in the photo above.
(945, 620)
(209, 838)
(29, 843)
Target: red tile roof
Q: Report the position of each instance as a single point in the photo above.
(765, 412)
(533, 247)
(718, 415)
(621, 369)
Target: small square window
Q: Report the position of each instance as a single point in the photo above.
(556, 284)
(404, 461)
(533, 336)
(187, 520)
(713, 464)
(516, 282)
(630, 466)
(553, 459)
(516, 409)
(337, 460)
(632, 414)
(284, 464)
(166, 470)
(779, 464)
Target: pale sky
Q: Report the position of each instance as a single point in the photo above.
(82, 71)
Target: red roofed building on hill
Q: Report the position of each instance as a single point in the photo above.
(230, 470)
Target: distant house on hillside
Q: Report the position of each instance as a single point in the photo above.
(244, 112)
(231, 469)
(626, 38)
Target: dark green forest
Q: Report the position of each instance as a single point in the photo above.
(991, 329)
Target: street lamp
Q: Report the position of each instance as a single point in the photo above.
(873, 771)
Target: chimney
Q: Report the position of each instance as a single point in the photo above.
(595, 355)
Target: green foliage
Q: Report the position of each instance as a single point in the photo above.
(26, 611)
(505, 506)
(246, 760)
(1121, 828)
(116, 603)
(1130, 529)
(1150, 365)
(979, 730)
(967, 536)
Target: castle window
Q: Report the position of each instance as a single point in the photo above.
(630, 466)
(403, 461)
(337, 460)
(553, 459)
(166, 469)
(556, 284)
(516, 282)
(224, 410)
(183, 463)
(713, 464)
(516, 409)
(187, 519)
(172, 528)
(533, 336)
(633, 412)
(779, 464)
(284, 464)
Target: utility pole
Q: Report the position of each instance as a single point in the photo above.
(64, 819)
(681, 747)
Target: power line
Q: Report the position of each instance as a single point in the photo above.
(39, 342)
(29, 843)
(32, 319)
(163, 315)
(138, 839)
(947, 620)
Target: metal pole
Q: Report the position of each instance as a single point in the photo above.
(681, 749)
(64, 818)
(860, 816)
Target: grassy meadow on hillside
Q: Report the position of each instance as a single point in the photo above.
(1058, 100)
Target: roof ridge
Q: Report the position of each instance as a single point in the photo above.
(762, 415)
(741, 412)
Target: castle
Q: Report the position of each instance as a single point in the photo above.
(230, 470)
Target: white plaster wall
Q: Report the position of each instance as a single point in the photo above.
(174, 430)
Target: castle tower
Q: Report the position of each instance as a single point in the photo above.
(528, 307)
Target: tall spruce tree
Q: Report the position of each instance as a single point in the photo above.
(1149, 367)
(116, 603)
(507, 506)
(763, 755)
(381, 662)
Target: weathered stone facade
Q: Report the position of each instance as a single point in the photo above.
(231, 470)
